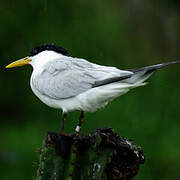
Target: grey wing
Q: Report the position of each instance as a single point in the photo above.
(69, 77)
(63, 85)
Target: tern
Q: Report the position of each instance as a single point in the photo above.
(67, 83)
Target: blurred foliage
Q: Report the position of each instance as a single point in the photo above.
(125, 34)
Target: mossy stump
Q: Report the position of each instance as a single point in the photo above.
(101, 155)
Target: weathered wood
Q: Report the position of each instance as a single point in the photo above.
(101, 155)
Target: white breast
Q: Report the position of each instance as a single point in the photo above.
(88, 101)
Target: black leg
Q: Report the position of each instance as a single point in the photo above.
(64, 117)
(81, 119)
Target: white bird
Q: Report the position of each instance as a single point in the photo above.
(68, 83)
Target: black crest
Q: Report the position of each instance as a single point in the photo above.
(50, 47)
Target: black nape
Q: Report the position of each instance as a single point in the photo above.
(50, 47)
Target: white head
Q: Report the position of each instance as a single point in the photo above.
(40, 55)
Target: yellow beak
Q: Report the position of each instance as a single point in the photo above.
(22, 62)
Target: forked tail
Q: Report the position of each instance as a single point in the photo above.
(141, 74)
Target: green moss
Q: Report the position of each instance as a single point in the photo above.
(89, 157)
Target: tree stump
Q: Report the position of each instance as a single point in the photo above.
(101, 155)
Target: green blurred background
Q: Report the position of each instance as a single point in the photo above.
(122, 33)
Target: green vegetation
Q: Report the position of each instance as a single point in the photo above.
(100, 155)
(120, 33)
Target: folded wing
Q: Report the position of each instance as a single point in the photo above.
(65, 78)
